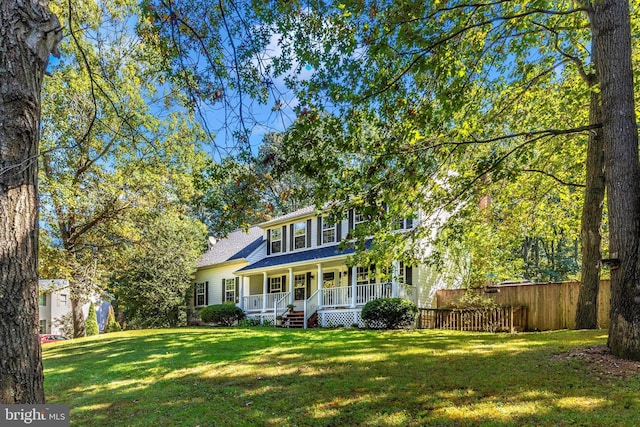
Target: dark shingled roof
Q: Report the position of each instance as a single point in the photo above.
(300, 212)
(294, 257)
(236, 246)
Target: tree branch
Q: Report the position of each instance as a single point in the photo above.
(569, 184)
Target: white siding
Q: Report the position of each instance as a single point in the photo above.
(55, 308)
(428, 280)
(214, 276)
(258, 254)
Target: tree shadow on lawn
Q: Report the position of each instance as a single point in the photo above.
(327, 378)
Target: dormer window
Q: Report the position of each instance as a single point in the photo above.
(300, 235)
(276, 240)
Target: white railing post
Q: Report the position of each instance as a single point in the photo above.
(304, 324)
(291, 286)
(320, 285)
(354, 278)
(395, 276)
(241, 292)
(265, 290)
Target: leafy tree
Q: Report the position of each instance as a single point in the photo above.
(30, 34)
(151, 287)
(232, 194)
(91, 324)
(110, 156)
(453, 84)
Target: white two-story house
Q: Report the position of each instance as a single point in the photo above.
(291, 267)
(54, 303)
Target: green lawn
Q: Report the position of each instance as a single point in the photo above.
(253, 377)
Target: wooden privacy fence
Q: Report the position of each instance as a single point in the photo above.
(550, 306)
(501, 319)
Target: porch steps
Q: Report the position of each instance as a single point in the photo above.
(294, 319)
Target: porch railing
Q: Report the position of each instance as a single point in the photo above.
(331, 297)
(311, 305)
(280, 304)
(256, 302)
(371, 291)
(336, 297)
(253, 302)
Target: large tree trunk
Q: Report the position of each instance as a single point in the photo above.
(591, 221)
(28, 33)
(610, 24)
(77, 316)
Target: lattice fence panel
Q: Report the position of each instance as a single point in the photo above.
(340, 318)
(270, 318)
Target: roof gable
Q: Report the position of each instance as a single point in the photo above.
(237, 246)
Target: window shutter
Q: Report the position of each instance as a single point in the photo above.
(283, 242)
(269, 285)
(268, 242)
(349, 276)
(237, 290)
(291, 239)
(284, 283)
(319, 242)
(195, 301)
(351, 219)
(409, 275)
(308, 233)
(339, 232)
(224, 293)
(206, 293)
(308, 284)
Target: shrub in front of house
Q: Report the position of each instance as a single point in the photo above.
(222, 314)
(389, 313)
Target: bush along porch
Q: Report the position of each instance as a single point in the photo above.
(291, 272)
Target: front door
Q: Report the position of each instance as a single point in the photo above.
(299, 287)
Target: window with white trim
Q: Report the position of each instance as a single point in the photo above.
(363, 275)
(299, 286)
(276, 240)
(402, 273)
(62, 299)
(328, 232)
(300, 235)
(200, 297)
(42, 299)
(230, 290)
(275, 284)
(358, 218)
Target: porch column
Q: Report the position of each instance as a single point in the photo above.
(290, 285)
(265, 290)
(320, 285)
(395, 277)
(354, 281)
(241, 292)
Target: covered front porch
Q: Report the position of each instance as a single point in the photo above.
(330, 295)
